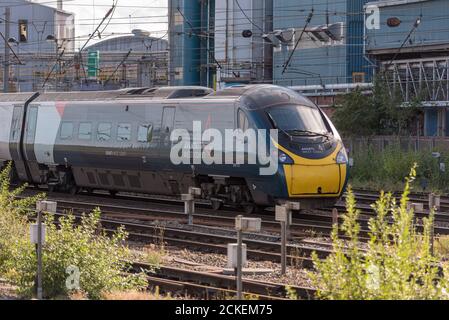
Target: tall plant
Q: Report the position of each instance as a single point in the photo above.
(397, 263)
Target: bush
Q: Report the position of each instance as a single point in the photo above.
(397, 263)
(14, 230)
(376, 114)
(70, 246)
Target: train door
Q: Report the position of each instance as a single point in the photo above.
(28, 143)
(15, 143)
(167, 124)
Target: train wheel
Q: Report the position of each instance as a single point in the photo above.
(113, 193)
(250, 208)
(73, 190)
(216, 205)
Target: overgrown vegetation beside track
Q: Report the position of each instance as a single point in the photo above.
(397, 264)
(69, 247)
(385, 170)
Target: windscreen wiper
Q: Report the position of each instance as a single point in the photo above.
(301, 132)
(276, 126)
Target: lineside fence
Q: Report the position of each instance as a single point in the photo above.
(410, 143)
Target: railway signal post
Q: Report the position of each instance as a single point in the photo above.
(284, 216)
(243, 225)
(37, 235)
(189, 202)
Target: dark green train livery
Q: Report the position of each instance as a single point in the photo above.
(120, 141)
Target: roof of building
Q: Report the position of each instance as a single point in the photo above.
(140, 41)
(43, 5)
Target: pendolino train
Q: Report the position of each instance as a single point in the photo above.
(120, 141)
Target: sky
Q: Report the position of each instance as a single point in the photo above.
(150, 15)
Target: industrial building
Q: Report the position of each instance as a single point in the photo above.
(219, 43)
(136, 60)
(329, 38)
(251, 41)
(36, 33)
(411, 48)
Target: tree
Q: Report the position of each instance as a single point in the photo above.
(377, 114)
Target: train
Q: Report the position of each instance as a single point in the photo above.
(121, 141)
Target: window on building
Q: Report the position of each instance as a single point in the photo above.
(104, 131)
(124, 132)
(66, 131)
(145, 133)
(23, 30)
(358, 77)
(85, 131)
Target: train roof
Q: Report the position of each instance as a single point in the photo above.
(249, 96)
(260, 96)
(183, 92)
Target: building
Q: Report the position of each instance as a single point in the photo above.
(329, 35)
(191, 42)
(251, 41)
(242, 55)
(411, 48)
(137, 60)
(37, 34)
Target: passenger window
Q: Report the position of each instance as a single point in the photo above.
(66, 131)
(145, 133)
(104, 131)
(243, 121)
(85, 131)
(124, 132)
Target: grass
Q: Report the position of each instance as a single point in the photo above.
(386, 170)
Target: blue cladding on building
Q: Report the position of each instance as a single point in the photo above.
(185, 23)
(317, 61)
(432, 30)
(411, 46)
(190, 45)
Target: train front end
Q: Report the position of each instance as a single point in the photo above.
(313, 162)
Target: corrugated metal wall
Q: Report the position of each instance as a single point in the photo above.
(315, 62)
(433, 29)
(356, 62)
(184, 42)
(191, 42)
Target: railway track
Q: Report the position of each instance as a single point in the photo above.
(131, 208)
(207, 285)
(210, 234)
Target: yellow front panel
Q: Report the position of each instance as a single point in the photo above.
(307, 180)
(307, 175)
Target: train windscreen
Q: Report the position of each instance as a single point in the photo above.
(298, 120)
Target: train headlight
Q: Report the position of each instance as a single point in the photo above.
(342, 157)
(285, 158)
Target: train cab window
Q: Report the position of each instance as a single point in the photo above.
(145, 133)
(124, 132)
(66, 132)
(298, 120)
(85, 131)
(104, 131)
(243, 121)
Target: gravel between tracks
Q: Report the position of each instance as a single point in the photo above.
(215, 263)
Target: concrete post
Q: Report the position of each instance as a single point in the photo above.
(189, 202)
